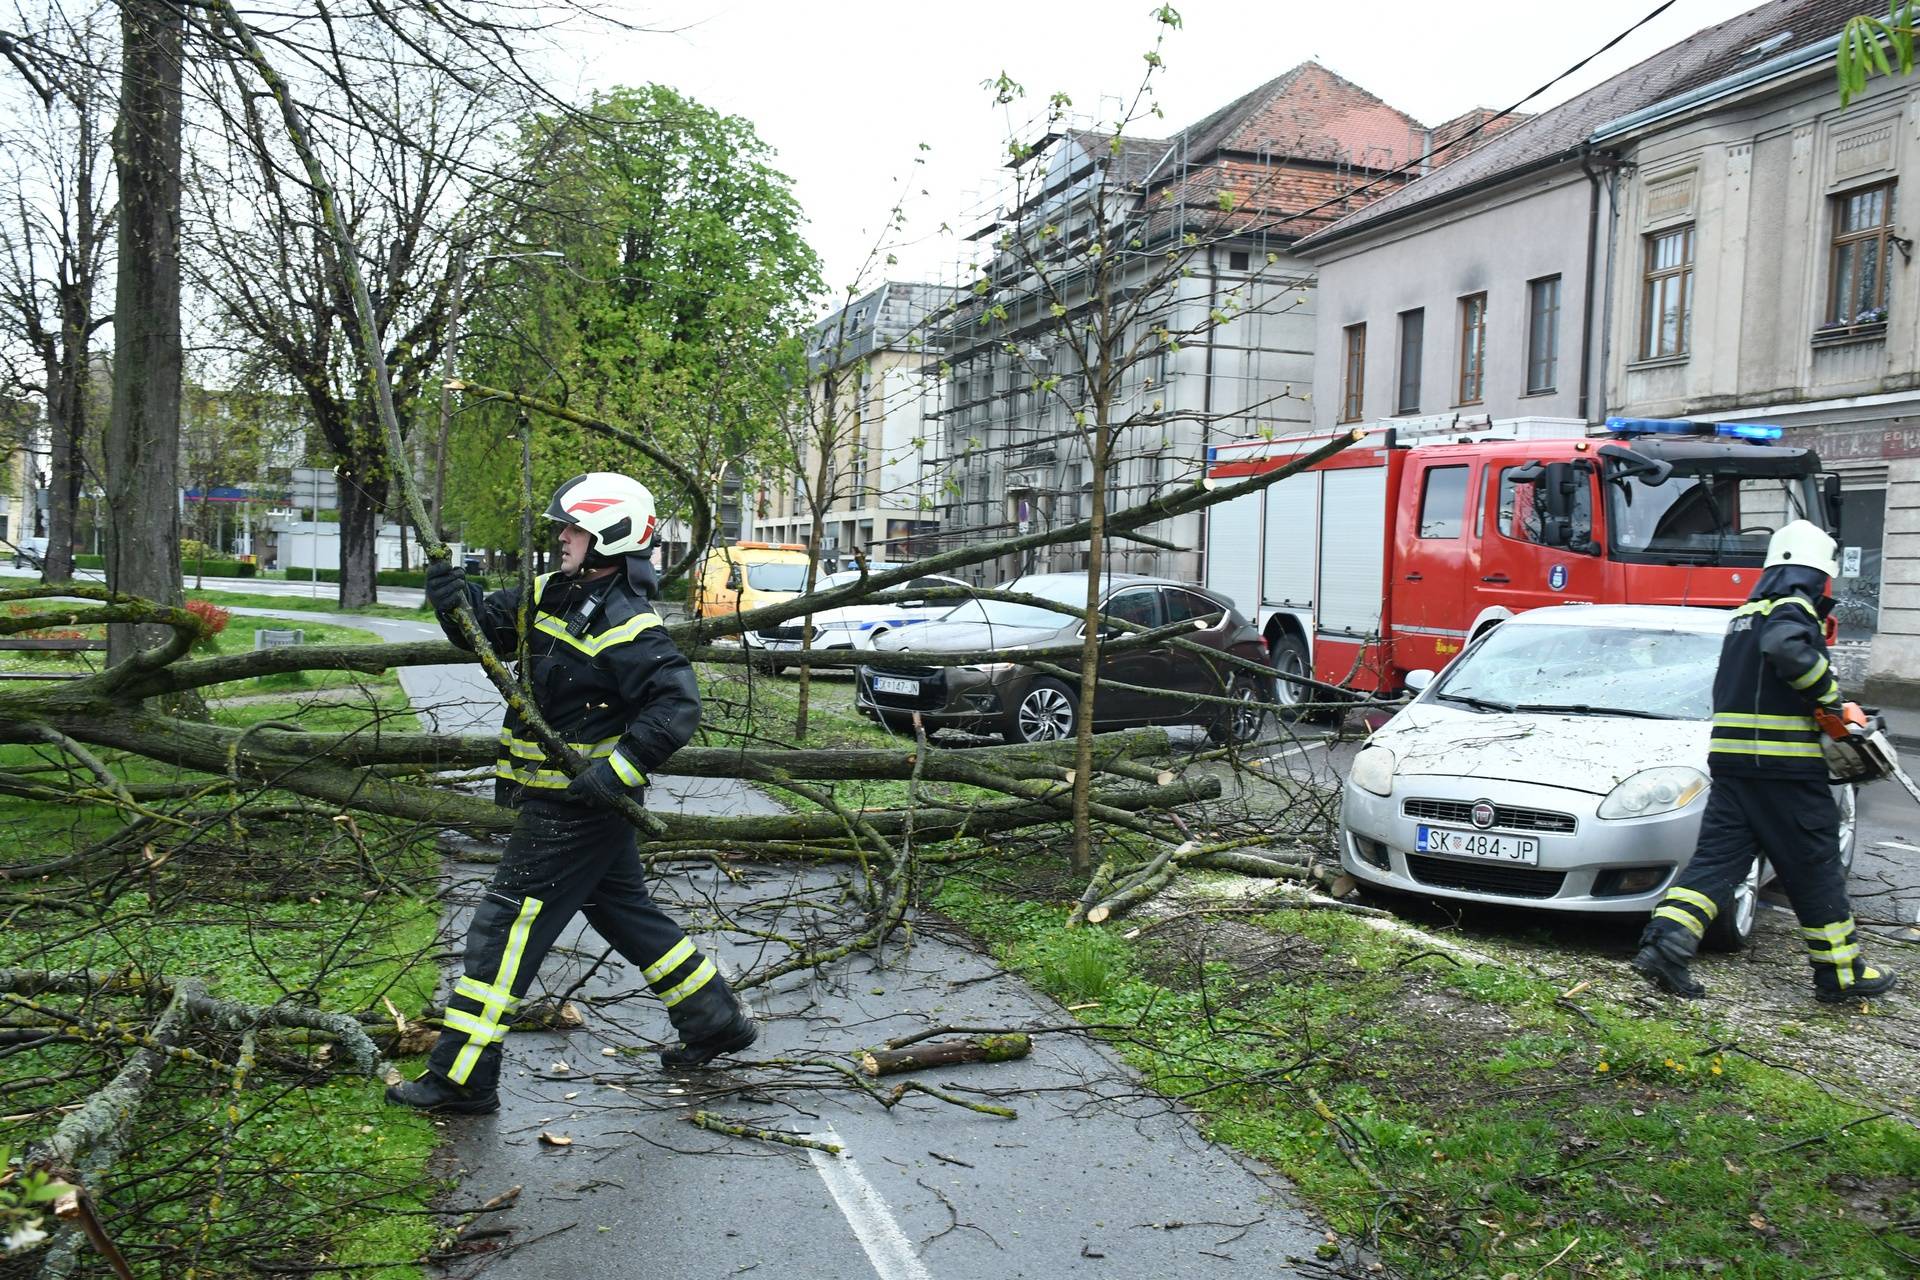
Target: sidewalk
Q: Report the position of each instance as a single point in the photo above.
(1091, 1180)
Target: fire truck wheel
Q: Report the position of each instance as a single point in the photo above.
(1045, 713)
(1292, 702)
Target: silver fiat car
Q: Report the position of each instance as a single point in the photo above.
(1559, 762)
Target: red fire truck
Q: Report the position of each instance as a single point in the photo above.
(1392, 555)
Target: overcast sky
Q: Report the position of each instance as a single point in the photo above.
(847, 90)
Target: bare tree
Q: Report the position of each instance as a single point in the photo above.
(55, 245)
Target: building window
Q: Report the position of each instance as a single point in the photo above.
(1413, 325)
(1666, 313)
(1862, 227)
(1473, 349)
(1237, 260)
(1353, 399)
(1543, 334)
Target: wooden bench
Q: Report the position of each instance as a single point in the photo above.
(45, 644)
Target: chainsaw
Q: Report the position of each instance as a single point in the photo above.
(1855, 745)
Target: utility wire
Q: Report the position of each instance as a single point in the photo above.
(1481, 127)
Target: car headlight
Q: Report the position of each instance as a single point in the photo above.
(1653, 791)
(1373, 770)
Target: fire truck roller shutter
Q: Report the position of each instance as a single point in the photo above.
(1353, 527)
(1293, 514)
(1233, 552)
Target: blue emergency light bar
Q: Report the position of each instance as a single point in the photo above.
(1688, 427)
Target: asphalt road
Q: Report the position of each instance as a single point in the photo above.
(1096, 1176)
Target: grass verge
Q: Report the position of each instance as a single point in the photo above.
(1474, 1121)
(298, 1166)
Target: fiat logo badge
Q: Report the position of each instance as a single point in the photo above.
(1482, 814)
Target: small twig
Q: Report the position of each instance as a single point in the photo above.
(715, 1124)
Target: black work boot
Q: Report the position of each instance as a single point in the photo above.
(438, 1095)
(1662, 960)
(698, 1047)
(1867, 983)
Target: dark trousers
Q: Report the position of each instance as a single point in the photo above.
(561, 859)
(1795, 823)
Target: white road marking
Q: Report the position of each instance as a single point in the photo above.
(1897, 844)
(888, 1248)
(1302, 749)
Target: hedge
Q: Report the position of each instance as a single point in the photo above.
(384, 578)
(210, 568)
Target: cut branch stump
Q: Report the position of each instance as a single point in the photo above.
(945, 1053)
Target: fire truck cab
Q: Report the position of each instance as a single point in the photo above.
(1392, 555)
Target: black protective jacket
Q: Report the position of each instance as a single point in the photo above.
(1773, 673)
(605, 676)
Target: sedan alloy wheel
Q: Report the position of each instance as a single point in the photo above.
(1045, 713)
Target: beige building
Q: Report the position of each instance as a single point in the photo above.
(880, 486)
(1762, 270)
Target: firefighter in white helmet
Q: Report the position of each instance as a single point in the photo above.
(1774, 695)
(608, 680)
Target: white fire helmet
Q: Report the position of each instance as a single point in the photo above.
(616, 510)
(1805, 543)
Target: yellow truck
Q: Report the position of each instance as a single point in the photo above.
(747, 575)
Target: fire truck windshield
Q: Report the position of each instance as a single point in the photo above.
(1706, 511)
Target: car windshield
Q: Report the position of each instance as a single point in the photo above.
(777, 577)
(1705, 515)
(1587, 670)
(1004, 613)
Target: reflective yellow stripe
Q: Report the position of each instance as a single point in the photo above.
(540, 585)
(1700, 900)
(545, 779)
(1742, 720)
(699, 978)
(592, 645)
(483, 1031)
(494, 1000)
(1682, 917)
(1828, 932)
(1829, 695)
(624, 771)
(528, 749)
(1836, 955)
(479, 1034)
(678, 954)
(1765, 607)
(1818, 669)
(1738, 746)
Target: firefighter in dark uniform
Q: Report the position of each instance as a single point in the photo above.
(608, 680)
(1773, 697)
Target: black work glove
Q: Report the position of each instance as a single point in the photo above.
(446, 586)
(598, 784)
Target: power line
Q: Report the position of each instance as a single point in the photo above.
(1481, 127)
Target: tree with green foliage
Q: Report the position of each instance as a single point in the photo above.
(1876, 46)
(675, 302)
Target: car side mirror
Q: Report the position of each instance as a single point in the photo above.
(1830, 492)
(1419, 679)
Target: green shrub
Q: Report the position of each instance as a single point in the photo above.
(384, 578)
